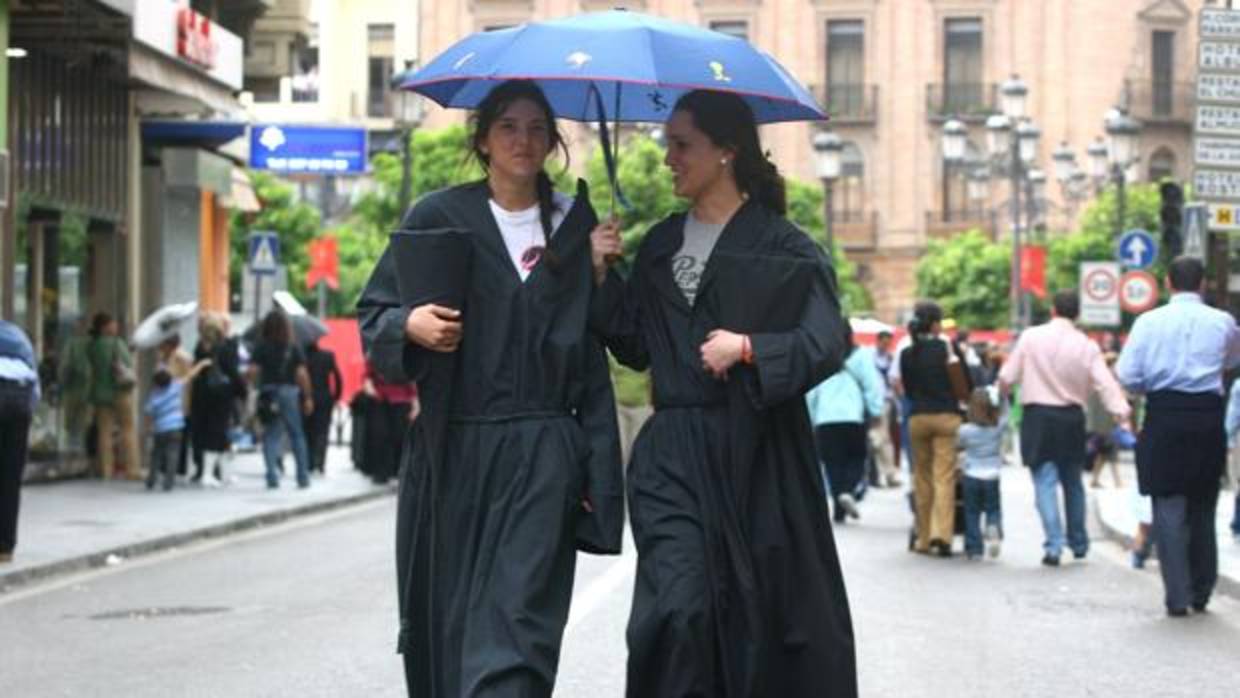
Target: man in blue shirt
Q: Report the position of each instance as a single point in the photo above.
(1176, 355)
(19, 393)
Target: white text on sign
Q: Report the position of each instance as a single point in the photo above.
(1221, 152)
(1220, 24)
(1219, 55)
(1216, 184)
(1218, 88)
(1215, 119)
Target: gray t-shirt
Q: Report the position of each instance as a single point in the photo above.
(690, 262)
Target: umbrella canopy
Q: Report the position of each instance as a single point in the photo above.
(617, 65)
(307, 329)
(868, 325)
(162, 324)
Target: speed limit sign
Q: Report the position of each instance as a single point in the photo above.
(1100, 294)
(1138, 292)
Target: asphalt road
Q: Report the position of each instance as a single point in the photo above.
(307, 609)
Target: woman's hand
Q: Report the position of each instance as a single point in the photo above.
(434, 327)
(307, 405)
(721, 351)
(605, 247)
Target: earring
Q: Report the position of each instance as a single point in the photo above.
(723, 161)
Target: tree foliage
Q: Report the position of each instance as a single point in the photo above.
(295, 222)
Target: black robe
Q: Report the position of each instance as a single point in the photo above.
(490, 520)
(739, 592)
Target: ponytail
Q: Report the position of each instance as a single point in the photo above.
(546, 208)
(760, 179)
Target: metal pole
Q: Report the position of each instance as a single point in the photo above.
(828, 190)
(1120, 199)
(258, 296)
(322, 288)
(406, 163)
(1015, 175)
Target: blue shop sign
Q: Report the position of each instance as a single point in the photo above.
(308, 149)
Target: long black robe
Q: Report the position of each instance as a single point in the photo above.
(739, 592)
(489, 521)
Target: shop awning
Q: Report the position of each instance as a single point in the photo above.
(181, 132)
(242, 197)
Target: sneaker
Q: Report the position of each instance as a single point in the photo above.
(1138, 560)
(973, 557)
(848, 505)
(1050, 560)
(210, 481)
(993, 539)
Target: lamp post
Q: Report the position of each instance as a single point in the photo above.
(1123, 134)
(828, 149)
(408, 114)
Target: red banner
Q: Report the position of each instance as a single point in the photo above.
(1033, 270)
(324, 263)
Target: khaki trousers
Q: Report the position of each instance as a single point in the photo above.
(933, 441)
(118, 415)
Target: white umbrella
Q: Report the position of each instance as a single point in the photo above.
(162, 324)
(867, 325)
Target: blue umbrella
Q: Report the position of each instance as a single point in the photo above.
(617, 65)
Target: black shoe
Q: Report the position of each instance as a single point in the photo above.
(1050, 560)
(941, 548)
(1177, 612)
(1200, 607)
(1079, 556)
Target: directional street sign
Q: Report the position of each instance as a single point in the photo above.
(1220, 120)
(1195, 216)
(1138, 292)
(1216, 136)
(1223, 217)
(1100, 294)
(1219, 88)
(1219, 24)
(264, 253)
(1137, 249)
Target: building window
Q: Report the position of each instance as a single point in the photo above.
(963, 90)
(846, 67)
(380, 49)
(306, 69)
(738, 28)
(1162, 165)
(848, 202)
(1162, 64)
(497, 27)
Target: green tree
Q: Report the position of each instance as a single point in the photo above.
(970, 276)
(295, 222)
(1095, 240)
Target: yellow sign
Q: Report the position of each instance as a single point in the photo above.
(1224, 217)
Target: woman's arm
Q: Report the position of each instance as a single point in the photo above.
(601, 526)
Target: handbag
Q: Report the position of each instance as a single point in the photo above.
(123, 376)
(268, 408)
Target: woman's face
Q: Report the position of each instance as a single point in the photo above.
(697, 164)
(111, 329)
(518, 141)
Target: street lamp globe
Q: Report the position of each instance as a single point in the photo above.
(1037, 178)
(1097, 152)
(1012, 96)
(1027, 135)
(827, 149)
(409, 108)
(1065, 162)
(998, 128)
(979, 184)
(955, 136)
(1123, 134)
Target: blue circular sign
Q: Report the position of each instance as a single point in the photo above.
(1137, 249)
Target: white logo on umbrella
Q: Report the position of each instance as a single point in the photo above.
(577, 59)
(720, 76)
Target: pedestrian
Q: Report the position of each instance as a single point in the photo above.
(389, 408)
(326, 387)
(1100, 447)
(165, 412)
(840, 409)
(932, 376)
(111, 394)
(739, 590)
(278, 370)
(528, 467)
(1176, 356)
(170, 356)
(1232, 424)
(212, 393)
(75, 385)
(981, 440)
(1056, 366)
(884, 433)
(19, 395)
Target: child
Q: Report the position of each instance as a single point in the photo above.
(981, 439)
(166, 419)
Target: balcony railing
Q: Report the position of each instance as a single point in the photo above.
(967, 101)
(1160, 103)
(950, 222)
(855, 230)
(849, 103)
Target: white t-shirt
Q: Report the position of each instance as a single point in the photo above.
(523, 233)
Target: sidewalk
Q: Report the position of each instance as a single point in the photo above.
(73, 525)
(1116, 512)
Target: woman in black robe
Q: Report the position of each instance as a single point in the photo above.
(739, 592)
(526, 464)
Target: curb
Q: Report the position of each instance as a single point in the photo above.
(11, 581)
(1225, 585)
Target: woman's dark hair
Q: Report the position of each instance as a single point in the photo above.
(925, 314)
(275, 328)
(493, 107)
(100, 321)
(728, 121)
(162, 378)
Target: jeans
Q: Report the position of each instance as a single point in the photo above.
(288, 402)
(165, 451)
(14, 434)
(980, 497)
(1046, 479)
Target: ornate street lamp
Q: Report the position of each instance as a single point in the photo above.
(828, 148)
(1123, 136)
(1028, 135)
(1012, 98)
(955, 139)
(407, 116)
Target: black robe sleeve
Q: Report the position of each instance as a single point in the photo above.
(601, 530)
(615, 320)
(788, 364)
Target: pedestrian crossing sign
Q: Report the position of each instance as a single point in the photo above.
(264, 252)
